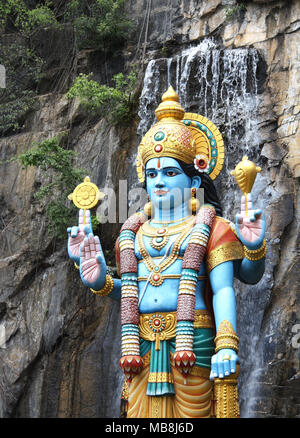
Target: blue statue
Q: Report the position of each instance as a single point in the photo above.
(177, 263)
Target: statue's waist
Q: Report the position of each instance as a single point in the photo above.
(162, 325)
(172, 276)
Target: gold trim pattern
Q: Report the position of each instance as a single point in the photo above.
(227, 251)
(202, 320)
(226, 400)
(173, 276)
(202, 143)
(226, 337)
(151, 231)
(167, 332)
(256, 254)
(160, 378)
(107, 288)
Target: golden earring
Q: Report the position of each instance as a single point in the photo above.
(194, 203)
(148, 208)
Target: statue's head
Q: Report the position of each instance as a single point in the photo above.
(178, 152)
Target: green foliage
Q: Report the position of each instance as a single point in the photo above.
(231, 12)
(100, 24)
(95, 222)
(23, 69)
(40, 17)
(116, 103)
(56, 163)
(24, 18)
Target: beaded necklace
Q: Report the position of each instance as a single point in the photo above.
(183, 358)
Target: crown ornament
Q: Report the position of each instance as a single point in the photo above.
(188, 137)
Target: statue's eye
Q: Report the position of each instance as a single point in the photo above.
(171, 173)
(151, 174)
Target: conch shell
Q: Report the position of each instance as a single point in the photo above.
(245, 173)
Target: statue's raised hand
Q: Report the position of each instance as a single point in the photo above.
(250, 224)
(78, 233)
(92, 262)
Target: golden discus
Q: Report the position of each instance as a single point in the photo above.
(86, 195)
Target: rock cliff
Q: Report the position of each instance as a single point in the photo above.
(237, 63)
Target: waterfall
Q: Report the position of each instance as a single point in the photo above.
(220, 84)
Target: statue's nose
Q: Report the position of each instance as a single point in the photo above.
(159, 181)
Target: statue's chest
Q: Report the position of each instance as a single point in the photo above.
(161, 246)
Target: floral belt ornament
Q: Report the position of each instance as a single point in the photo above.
(162, 326)
(158, 327)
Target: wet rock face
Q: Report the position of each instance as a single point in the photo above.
(60, 344)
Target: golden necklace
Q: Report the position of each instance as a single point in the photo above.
(155, 277)
(153, 221)
(160, 235)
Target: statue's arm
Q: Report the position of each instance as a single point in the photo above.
(249, 272)
(224, 306)
(251, 232)
(85, 250)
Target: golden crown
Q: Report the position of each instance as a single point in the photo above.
(188, 137)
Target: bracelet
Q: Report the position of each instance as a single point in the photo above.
(256, 254)
(107, 288)
(76, 266)
(226, 337)
(228, 346)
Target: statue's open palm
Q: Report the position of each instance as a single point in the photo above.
(92, 262)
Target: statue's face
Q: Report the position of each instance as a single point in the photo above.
(167, 184)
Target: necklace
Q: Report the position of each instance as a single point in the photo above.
(149, 230)
(171, 222)
(155, 276)
(160, 235)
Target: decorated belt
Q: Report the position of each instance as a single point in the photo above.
(167, 276)
(162, 326)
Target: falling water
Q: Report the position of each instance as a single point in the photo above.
(220, 84)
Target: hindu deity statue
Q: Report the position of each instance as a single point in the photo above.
(177, 262)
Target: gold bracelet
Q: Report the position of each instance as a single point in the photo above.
(107, 288)
(226, 337)
(256, 254)
(76, 266)
(228, 346)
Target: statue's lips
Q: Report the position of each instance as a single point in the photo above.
(161, 192)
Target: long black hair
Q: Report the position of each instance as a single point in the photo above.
(210, 193)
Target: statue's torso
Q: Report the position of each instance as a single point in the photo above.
(163, 298)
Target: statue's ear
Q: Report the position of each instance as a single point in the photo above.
(196, 181)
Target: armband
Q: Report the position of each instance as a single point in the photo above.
(256, 254)
(107, 288)
(226, 337)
